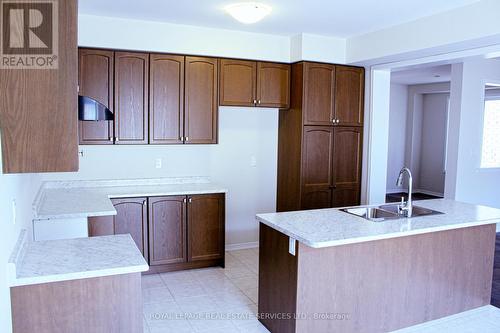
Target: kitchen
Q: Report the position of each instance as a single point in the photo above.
(205, 135)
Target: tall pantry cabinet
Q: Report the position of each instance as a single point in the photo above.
(320, 138)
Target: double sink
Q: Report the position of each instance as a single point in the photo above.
(387, 212)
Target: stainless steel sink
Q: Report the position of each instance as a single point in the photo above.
(387, 212)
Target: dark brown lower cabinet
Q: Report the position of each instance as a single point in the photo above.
(331, 166)
(167, 230)
(172, 232)
(206, 227)
(131, 218)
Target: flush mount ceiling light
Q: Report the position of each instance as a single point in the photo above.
(248, 12)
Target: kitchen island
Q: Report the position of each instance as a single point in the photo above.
(329, 271)
(76, 285)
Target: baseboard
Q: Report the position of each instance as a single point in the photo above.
(242, 246)
(436, 194)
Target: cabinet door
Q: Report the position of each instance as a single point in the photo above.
(166, 99)
(273, 85)
(319, 94)
(238, 80)
(347, 154)
(200, 100)
(95, 79)
(206, 215)
(38, 108)
(167, 230)
(317, 160)
(132, 218)
(131, 97)
(349, 95)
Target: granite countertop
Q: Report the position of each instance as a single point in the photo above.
(331, 227)
(71, 259)
(81, 199)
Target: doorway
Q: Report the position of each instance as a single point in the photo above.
(418, 131)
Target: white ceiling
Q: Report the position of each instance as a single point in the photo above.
(340, 18)
(432, 74)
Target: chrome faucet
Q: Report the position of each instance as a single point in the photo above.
(406, 208)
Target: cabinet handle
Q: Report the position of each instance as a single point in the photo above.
(338, 121)
(116, 140)
(258, 102)
(254, 102)
(145, 202)
(181, 138)
(184, 200)
(186, 139)
(190, 200)
(333, 121)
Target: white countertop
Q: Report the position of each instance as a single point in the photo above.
(76, 199)
(332, 227)
(485, 319)
(71, 259)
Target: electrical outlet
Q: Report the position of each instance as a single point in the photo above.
(14, 211)
(158, 163)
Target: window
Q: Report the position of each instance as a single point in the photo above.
(490, 157)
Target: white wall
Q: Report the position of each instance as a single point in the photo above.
(245, 134)
(317, 48)
(397, 134)
(466, 27)
(415, 124)
(433, 144)
(22, 189)
(117, 33)
(465, 181)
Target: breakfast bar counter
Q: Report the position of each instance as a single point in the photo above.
(330, 271)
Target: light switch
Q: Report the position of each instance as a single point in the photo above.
(253, 161)
(14, 211)
(158, 163)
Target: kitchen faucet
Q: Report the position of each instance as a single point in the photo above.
(406, 208)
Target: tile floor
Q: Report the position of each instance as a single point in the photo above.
(205, 300)
(225, 300)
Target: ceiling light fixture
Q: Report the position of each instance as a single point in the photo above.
(248, 12)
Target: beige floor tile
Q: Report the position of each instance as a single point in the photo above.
(246, 282)
(156, 295)
(152, 281)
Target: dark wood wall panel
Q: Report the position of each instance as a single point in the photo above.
(38, 108)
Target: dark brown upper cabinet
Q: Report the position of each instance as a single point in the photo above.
(206, 227)
(131, 97)
(38, 107)
(200, 100)
(251, 83)
(95, 80)
(273, 85)
(319, 94)
(167, 230)
(349, 96)
(166, 99)
(238, 82)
